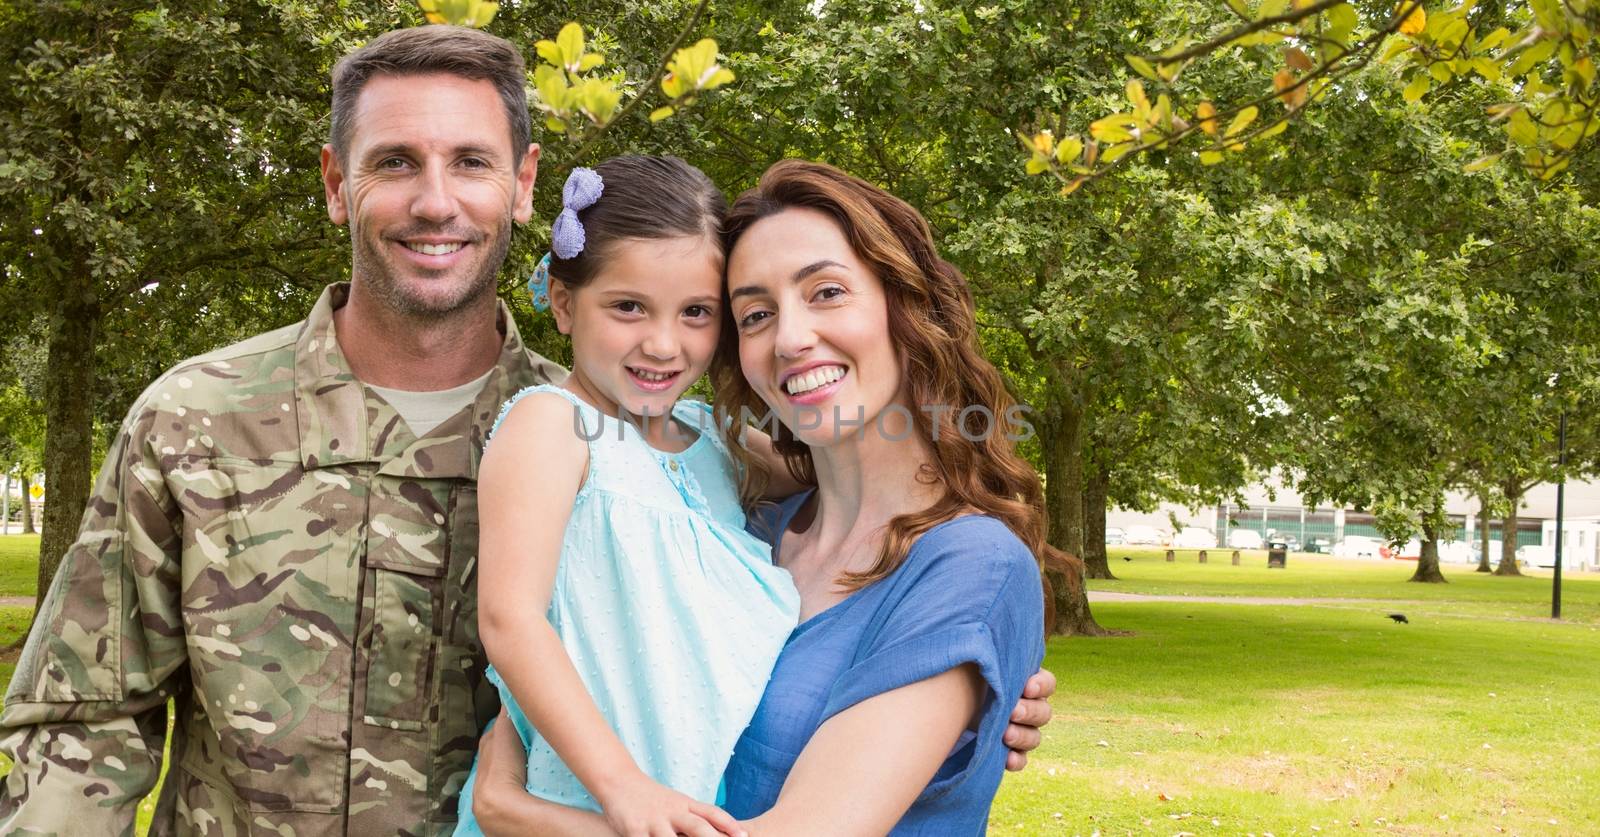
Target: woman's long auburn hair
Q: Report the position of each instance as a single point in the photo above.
(934, 329)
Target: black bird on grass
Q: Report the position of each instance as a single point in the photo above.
(1400, 618)
(1126, 558)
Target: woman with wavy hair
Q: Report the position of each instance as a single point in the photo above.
(916, 554)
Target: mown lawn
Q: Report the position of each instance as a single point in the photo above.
(1314, 576)
(19, 565)
(1232, 719)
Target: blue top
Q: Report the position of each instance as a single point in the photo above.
(671, 612)
(968, 592)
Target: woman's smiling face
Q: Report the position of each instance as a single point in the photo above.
(813, 325)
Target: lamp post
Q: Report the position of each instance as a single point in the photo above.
(1561, 491)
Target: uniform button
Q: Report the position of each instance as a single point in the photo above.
(673, 464)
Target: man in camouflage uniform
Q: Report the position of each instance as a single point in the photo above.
(270, 544)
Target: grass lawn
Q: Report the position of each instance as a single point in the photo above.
(1315, 576)
(19, 565)
(1231, 719)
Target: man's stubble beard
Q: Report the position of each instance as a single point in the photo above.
(377, 276)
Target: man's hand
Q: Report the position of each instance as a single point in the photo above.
(1032, 713)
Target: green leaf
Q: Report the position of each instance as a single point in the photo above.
(549, 52)
(1536, 54)
(1280, 127)
(571, 42)
(1210, 158)
(1487, 67)
(1521, 128)
(556, 125)
(1341, 21)
(1239, 7)
(1242, 121)
(590, 61)
(1271, 8)
(661, 113)
(1493, 39)
(1440, 71)
(1117, 151)
(1481, 163)
(1418, 88)
(1069, 149)
(1142, 67)
(1037, 166)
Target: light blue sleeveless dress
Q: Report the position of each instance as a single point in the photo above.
(671, 612)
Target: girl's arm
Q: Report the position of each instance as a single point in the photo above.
(528, 481)
(872, 745)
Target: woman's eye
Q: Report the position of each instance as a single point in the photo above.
(753, 318)
(697, 311)
(628, 306)
(827, 292)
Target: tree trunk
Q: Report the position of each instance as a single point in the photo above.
(1508, 533)
(1063, 500)
(1483, 534)
(69, 420)
(27, 504)
(1095, 563)
(1428, 561)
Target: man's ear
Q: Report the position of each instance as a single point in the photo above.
(526, 174)
(333, 185)
(561, 301)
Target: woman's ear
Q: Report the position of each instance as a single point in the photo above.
(561, 302)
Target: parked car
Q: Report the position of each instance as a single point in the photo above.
(1244, 539)
(1145, 536)
(1411, 551)
(1457, 552)
(1195, 537)
(1359, 546)
(1289, 541)
(1537, 555)
(1319, 545)
(1494, 550)
(1115, 536)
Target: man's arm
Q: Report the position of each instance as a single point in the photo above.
(85, 715)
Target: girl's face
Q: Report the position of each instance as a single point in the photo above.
(646, 326)
(813, 329)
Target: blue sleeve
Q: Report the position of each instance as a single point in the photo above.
(968, 593)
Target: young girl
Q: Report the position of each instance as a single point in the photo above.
(630, 621)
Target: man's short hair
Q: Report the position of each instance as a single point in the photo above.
(420, 50)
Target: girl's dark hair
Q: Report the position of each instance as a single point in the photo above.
(647, 198)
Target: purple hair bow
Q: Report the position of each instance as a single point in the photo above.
(582, 189)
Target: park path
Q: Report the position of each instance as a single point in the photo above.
(16, 601)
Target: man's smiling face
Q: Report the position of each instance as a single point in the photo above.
(430, 189)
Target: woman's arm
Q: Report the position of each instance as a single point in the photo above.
(780, 483)
(504, 808)
(871, 745)
(529, 479)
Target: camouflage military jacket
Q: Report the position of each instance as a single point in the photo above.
(269, 545)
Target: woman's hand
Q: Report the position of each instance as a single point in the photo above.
(1032, 713)
(639, 807)
(503, 806)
